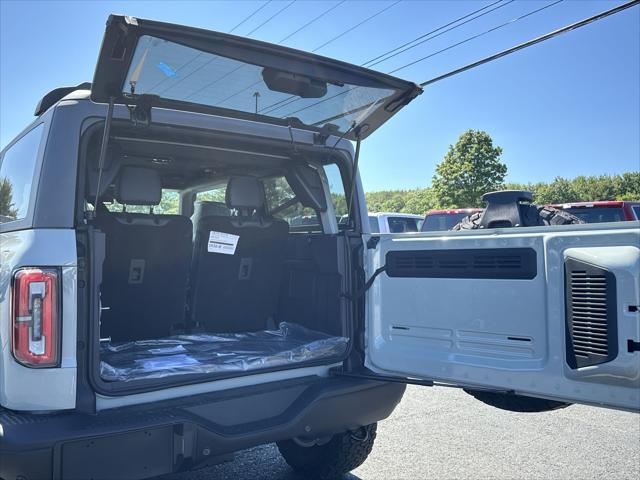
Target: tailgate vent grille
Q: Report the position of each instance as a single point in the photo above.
(507, 263)
(591, 314)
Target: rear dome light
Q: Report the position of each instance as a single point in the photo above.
(35, 318)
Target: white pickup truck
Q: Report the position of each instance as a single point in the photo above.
(386, 222)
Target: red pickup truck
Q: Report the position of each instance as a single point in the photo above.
(588, 212)
(602, 211)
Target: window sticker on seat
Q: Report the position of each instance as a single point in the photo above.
(220, 242)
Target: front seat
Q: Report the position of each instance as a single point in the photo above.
(146, 265)
(238, 263)
(206, 208)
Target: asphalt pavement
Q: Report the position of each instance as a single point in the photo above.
(441, 433)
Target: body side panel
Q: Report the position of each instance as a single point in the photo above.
(23, 388)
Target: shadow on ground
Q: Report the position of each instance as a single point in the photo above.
(259, 463)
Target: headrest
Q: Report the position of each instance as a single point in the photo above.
(245, 193)
(209, 209)
(138, 186)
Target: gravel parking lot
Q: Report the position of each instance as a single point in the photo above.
(443, 433)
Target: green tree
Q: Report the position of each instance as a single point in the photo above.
(339, 204)
(6, 199)
(470, 168)
(379, 201)
(169, 203)
(629, 186)
(420, 201)
(603, 187)
(560, 190)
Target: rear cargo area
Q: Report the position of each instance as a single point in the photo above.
(207, 353)
(205, 268)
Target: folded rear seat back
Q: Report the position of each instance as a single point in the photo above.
(146, 266)
(238, 263)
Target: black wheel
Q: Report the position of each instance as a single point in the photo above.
(470, 222)
(554, 216)
(339, 455)
(516, 403)
(533, 216)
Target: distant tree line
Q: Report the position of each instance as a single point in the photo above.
(472, 167)
(560, 190)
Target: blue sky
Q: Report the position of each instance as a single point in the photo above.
(568, 107)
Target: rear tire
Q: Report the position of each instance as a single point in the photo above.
(341, 454)
(470, 222)
(554, 216)
(535, 216)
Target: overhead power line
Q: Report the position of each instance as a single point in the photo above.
(350, 29)
(213, 58)
(312, 21)
(380, 58)
(250, 16)
(478, 35)
(533, 41)
(511, 50)
(271, 17)
(258, 82)
(514, 20)
(198, 55)
(398, 50)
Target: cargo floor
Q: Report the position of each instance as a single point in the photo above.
(213, 353)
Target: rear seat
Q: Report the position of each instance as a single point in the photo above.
(235, 291)
(206, 208)
(146, 266)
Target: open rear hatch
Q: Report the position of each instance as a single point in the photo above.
(145, 64)
(148, 63)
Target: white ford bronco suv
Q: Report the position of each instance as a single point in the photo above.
(160, 307)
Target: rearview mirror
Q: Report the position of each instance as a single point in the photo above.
(293, 84)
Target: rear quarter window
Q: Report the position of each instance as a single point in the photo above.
(403, 224)
(216, 194)
(598, 214)
(169, 205)
(636, 211)
(281, 203)
(441, 221)
(17, 168)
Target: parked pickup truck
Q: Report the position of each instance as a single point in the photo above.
(385, 222)
(139, 339)
(439, 220)
(603, 211)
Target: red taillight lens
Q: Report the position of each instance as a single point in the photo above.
(34, 317)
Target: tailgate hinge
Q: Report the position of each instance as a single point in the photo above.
(325, 132)
(140, 112)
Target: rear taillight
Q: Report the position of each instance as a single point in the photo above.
(35, 319)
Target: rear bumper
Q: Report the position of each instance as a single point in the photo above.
(170, 436)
